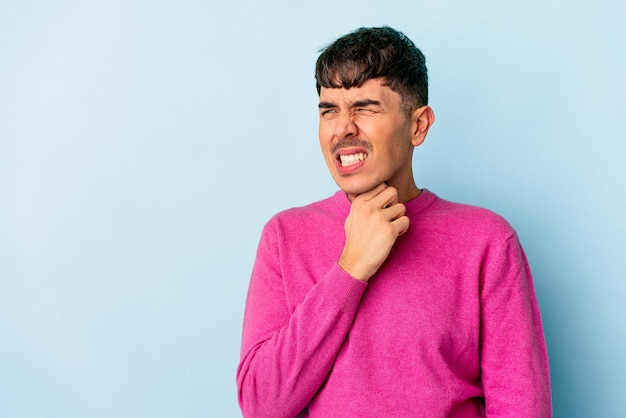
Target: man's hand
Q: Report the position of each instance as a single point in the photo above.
(375, 221)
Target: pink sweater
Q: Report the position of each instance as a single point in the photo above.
(448, 327)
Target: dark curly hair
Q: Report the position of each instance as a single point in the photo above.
(369, 53)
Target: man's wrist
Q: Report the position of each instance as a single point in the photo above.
(351, 267)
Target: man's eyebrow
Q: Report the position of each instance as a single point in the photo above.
(365, 103)
(358, 103)
(326, 105)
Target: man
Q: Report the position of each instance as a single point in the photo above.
(385, 300)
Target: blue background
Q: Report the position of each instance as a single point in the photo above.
(143, 145)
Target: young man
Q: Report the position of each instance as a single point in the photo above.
(385, 300)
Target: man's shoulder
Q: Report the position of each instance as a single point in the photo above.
(465, 216)
(334, 206)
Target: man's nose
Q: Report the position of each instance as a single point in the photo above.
(346, 126)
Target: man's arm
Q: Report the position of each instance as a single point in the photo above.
(514, 361)
(286, 356)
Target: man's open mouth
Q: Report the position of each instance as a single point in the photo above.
(351, 159)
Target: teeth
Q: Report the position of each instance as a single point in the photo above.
(352, 159)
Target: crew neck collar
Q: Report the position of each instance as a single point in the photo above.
(413, 206)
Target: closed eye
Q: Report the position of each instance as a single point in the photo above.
(327, 108)
(327, 112)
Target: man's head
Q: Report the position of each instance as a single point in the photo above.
(369, 53)
(373, 92)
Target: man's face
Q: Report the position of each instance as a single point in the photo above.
(366, 137)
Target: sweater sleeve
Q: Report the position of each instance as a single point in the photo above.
(286, 356)
(514, 361)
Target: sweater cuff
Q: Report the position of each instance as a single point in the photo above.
(344, 290)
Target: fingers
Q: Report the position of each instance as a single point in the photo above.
(373, 193)
(394, 212)
(382, 195)
(387, 199)
(402, 224)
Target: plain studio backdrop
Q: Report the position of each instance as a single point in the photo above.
(144, 144)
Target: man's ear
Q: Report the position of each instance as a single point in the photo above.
(421, 121)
